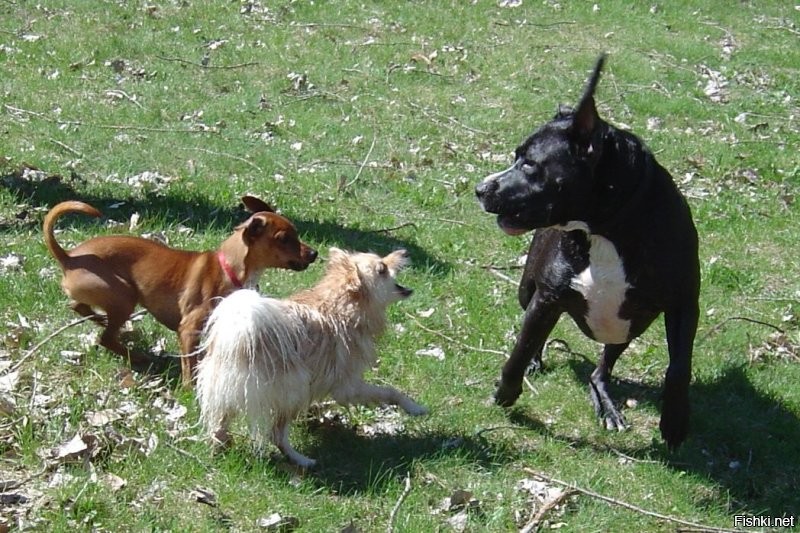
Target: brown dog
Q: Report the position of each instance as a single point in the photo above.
(179, 288)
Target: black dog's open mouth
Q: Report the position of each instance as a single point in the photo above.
(512, 224)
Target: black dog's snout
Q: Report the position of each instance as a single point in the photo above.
(485, 188)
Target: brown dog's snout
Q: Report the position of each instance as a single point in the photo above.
(309, 254)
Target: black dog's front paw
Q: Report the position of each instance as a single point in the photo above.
(506, 396)
(674, 424)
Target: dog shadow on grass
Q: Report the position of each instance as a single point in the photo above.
(196, 212)
(742, 440)
(350, 463)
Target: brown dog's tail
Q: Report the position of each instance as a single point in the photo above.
(50, 220)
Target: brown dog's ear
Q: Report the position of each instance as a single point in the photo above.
(253, 228)
(256, 205)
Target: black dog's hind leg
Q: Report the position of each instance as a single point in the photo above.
(681, 326)
(604, 406)
(540, 319)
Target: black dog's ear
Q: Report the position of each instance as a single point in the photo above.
(585, 118)
(563, 111)
(256, 205)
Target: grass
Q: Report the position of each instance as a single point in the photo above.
(368, 124)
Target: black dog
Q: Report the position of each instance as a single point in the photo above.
(616, 246)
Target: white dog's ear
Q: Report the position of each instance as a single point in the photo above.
(336, 254)
(342, 263)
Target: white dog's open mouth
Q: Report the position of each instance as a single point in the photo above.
(404, 292)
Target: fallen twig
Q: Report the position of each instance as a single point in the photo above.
(398, 503)
(187, 454)
(716, 328)
(327, 25)
(449, 119)
(119, 93)
(626, 505)
(629, 458)
(536, 520)
(502, 276)
(9, 485)
(33, 350)
(223, 154)
(209, 67)
(467, 346)
(454, 341)
(116, 127)
(363, 164)
(483, 431)
(452, 221)
(69, 149)
(387, 230)
(535, 24)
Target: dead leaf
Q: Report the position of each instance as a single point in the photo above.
(8, 382)
(390, 422)
(7, 406)
(10, 263)
(716, 87)
(276, 522)
(114, 482)
(459, 521)
(432, 351)
(422, 58)
(206, 496)
(102, 418)
(78, 448)
(125, 379)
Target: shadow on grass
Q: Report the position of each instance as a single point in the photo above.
(349, 463)
(197, 212)
(741, 439)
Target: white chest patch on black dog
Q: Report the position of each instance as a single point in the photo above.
(603, 285)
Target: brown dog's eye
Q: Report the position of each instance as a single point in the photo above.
(382, 269)
(281, 236)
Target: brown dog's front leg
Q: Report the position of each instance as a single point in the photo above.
(540, 319)
(189, 331)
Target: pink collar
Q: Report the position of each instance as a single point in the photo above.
(226, 267)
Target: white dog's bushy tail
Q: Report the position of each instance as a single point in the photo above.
(251, 362)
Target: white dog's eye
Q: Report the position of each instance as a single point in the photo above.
(382, 269)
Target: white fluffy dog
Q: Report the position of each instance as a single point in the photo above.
(271, 358)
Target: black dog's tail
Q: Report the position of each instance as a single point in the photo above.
(594, 79)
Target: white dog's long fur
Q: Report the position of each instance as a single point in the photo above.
(269, 358)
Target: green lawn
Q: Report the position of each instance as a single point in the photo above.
(368, 124)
